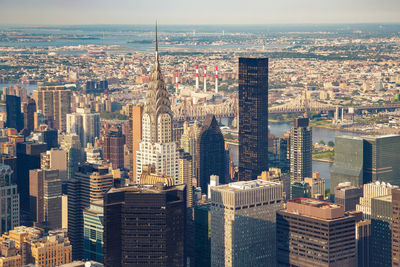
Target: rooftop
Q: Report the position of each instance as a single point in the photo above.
(246, 185)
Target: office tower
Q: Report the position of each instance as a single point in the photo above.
(85, 124)
(300, 189)
(362, 160)
(372, 190)
(211, 153)
(186, 175)
(253, 117)
(29, 112)
(89, 185)
(55, 159)
(275, 175)
(50, 137)
(55, 103)
(300, 150)
(243, 223)
(9, 200)
(128, 243)
(72, 145)
(396, 227)
(45, 198)
(15, 118)
(348, 195)
(189, 140)
(32, 247)
(315, 233)
(202, 235)
(135, 135)
(363, 237)
(38, 119)
(93, 228)
(317, 185)
(278, 155)
(12, 162)
(28, 158)
(157, 146)
(381, 231)
(113, 148)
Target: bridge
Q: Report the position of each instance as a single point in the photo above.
(300, 104)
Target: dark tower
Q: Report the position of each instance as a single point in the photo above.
(253, 117)
(211, 153)
(113, 148)
(29, 112)
(14, 115)
(144, 226)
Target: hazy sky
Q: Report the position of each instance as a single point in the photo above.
(197, 12)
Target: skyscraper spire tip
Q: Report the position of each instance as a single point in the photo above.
(156, 38)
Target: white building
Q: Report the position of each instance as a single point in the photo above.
(372, 190)
(243, 223)
(85, 124)
(9, 200)
(157, 146)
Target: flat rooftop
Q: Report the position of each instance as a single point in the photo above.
(315, 208)
(246, 185)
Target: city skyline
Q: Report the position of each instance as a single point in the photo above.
(45, 12)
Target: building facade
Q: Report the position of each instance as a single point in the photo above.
(15, 119)
(93, 229)
(253, 117)
(113, 148)
(84, 124)
(243, 223)
(9, 200)
(300, 150)
(348, 195)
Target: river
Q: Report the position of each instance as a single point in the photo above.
(318, 134)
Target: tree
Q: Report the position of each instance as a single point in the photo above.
(321, 142)
(331, 144)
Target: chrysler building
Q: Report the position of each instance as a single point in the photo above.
(157, 146)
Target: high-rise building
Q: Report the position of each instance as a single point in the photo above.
(15, 118)
(113, 148)
(300, 150)
(363, 239)
(189, 140)
(396, 227)
(348, 195)
(275, 175)
(9, 200)
(202, 235)
(45, 198)
(317, 185)
(373, 190)
(50, 137)
(362, 160)
(88, 185)
(72, 145)
(243, 223)
(32, 247)
(55, 159)
(135, 135)
(54, 102)
(300, 190)
(211, 154)
(29, 112)
(85, 124)
(156, 146)
(186, 176)
(158, 240)
(28, 158)
(253, 117)
(315, 233)
(381, 231)
(93, 229)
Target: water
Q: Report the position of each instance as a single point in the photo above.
(279, 128)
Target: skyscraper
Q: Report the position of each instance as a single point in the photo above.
(85, 124)
(211, 153)
(300, 150)
(157, 146)
(29, 112)
(55, 103)
(113, 148)
(189, 140)
(396, 227)
(9, 200)
(315, 233)
(72, 145)
(158, 240)
(15, 118)
(28, 158)
(135, 135)
(45, 198)
(243, 223)
(93, 229)
(253, 117)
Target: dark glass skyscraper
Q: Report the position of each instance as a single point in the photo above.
(144, 226)
(253, 117)
(15, 118)
(29, 112)
(211, 153)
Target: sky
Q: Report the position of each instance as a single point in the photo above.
(186, 12)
